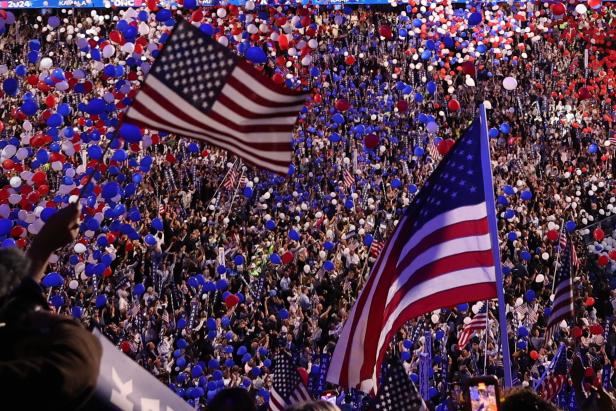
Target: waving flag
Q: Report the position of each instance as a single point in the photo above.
(398, 392)
(557, 377)
(478, 323)
(198, 88)
(288, 387)
(440, 253)
(562, 307)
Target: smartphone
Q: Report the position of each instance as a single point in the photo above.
(482, 394)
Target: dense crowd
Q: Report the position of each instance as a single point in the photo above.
(201, 268)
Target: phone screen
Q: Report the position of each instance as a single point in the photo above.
(483, 397)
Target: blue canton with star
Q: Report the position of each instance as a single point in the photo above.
(456, 182)
(194, 66)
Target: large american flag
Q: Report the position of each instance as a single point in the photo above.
(198, 88)
(477, 324)
(557, 377)
(398, 392)
(288, 387)
(440, 253)
(562, 307)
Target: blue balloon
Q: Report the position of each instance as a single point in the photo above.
(338, 118)
(57, 300)
(328, 245)
(512, 236)
(463, 307)
(439, 334)
(139, 289)
(222, 284)
(101, 301)
(256, 55)
(5, 226)
(275, 259)
(150, 240)
(493, 133)
(526, 195)
(110, 190)
(593, 148)
(328, 265)
(131, 133)
(525, 255)
(10, 86)
(396, 183)
(270, 224)
(77, 311)
(419, 151)
(96, 106)
(53, 279)
(530, 296)
(505, 128)
(157, 223)
(283, 314)
(570, 226)
(474, 19)
(29, 107)
(238, 259)
(431, 87)
(247, 192)
(294, 235)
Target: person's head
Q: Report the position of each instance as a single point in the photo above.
(232, 399)
(525, 399)
(13, 268)
(313, 406)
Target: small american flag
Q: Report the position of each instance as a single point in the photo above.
(441, 250)
(198, 88)
(433, 151)
(376, 247)
(349, 179)
(161, 208)
(229, 182)
(288, 387)
(165, 317)
(575, 262)
(562, 307)
(477, 324)
(557, 377)
(398, 393)
(613, 140)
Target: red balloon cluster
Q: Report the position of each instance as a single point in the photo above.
(371, 141)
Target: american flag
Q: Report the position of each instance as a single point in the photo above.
(349, 179)
(477, 324)
(575, 262)
(398, 393)
(161, 208)
(440, 251)
(376, 247)
(229, 182)
(562, 307)
(433, 151)
(557, 377)
(288, 387)
(198, 88)
(165, 317)
(613, 140)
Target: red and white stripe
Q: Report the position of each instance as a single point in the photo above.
(229, 183)
(299, 395)
(448, 258)
(376, 248)
(349, 179)
(553, 386)
(575, 261)
(252, 117)
(477, 324)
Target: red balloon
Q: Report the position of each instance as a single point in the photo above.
(588, 372)
(232, 300)
(444, 146)
(111, 238)
(371, 141)
(534, 355)
(278, 78)
(603, 260)
(558, 9)
(553, 235)
(349, 60)
(453, 105)
(590, 301)
(576, 332)
(596, 329)
(303, 374)
(385, 31)
(125, 347)
(50, 101)
(402, 106)
(598, 234)
(287, 257)
(594, 4)
(107, 273)
(612, 254)
(342, 105)
(8, 164)
(283, 42)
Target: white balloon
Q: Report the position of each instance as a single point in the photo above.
(469, 81)
(108, 51)
(306, 268)
(79, 248)
(519, 301)
(223, 40)
(9, 151)
(545, 256)
(73, 284)
(581, 9)
(540, 278)
(15, 182)
(510, 83)
(221, 12)
(45, 63)
(435, 318)
(467, 320)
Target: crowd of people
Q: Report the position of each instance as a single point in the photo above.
(201, 268)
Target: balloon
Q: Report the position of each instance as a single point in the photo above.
(139, 289)
(453, 105)
(603, 260)
(131, 133)
(231, 300)
(255, 54)
(101, 301)
(553, 235)
(157, 223)
(238, 259)
(510, 83)
(53, 279)
(534, 355)
(590, 301)
(371, 141)
(150, 240)
(474, 19)
(598, 234)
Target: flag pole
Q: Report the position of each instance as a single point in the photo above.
(491, 212)
(485, 349)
